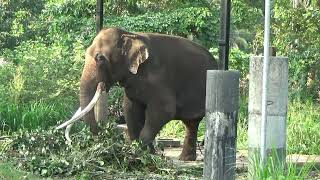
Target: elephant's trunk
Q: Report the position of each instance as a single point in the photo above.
(92, 94)
(88, 87)
(86, 95)
(87, 109)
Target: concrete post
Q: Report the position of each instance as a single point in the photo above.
(277, 102)
(222, 103)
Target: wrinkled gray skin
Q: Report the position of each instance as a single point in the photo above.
(163, 76)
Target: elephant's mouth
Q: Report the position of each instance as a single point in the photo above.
(80, 113)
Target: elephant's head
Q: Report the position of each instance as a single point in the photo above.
(113, 56)
(117, 53)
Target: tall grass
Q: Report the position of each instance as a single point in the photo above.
(31, 115)
(303, 127)
(274, 169)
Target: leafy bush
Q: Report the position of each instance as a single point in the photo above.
(295, 35)
(46, 153)
(197, 21)
(246, 15)
(42, 88)
(17, 18)
(44, 72)
(240, 61)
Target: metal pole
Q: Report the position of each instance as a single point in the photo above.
(225, 6)
(265, 82)
(99, 15)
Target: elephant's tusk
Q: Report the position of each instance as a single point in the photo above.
(67, 131)
(94, 101)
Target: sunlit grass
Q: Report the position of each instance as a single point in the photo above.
(275, 169)
(31, 115)
(9, 171)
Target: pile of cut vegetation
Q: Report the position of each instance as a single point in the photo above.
(46, 153)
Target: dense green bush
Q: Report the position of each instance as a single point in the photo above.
(199, 22)
(240, 60)
(296, 35)
(45, 72)
(17, 19)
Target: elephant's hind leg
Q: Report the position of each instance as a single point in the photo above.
(190, 140)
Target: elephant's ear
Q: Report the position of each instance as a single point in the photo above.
(136, 50)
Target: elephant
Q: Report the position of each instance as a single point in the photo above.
(163, 76)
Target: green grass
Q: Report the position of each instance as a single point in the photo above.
(31, 115)
(9, 172)
(274, 169)
(303, 127)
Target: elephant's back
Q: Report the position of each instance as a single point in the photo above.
(175, 48)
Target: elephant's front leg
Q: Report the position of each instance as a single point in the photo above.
(134, 114)
(158, 113)
(190, 140)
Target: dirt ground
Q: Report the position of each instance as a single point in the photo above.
(242, 161)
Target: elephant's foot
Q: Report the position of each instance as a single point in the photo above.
(190, 141)
(94, 128)
(188, 155)
(149, 147)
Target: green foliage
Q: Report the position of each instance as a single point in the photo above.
(46, 153)
(242, 124)
(296, 36)
(8, 171)
(45, 73)
(245, 16)
(14, 116)
(17, 18)
(197, 21)
(239, 60)
(115, 102)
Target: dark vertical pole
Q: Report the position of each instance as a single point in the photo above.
(99, 15)
(225, 8)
